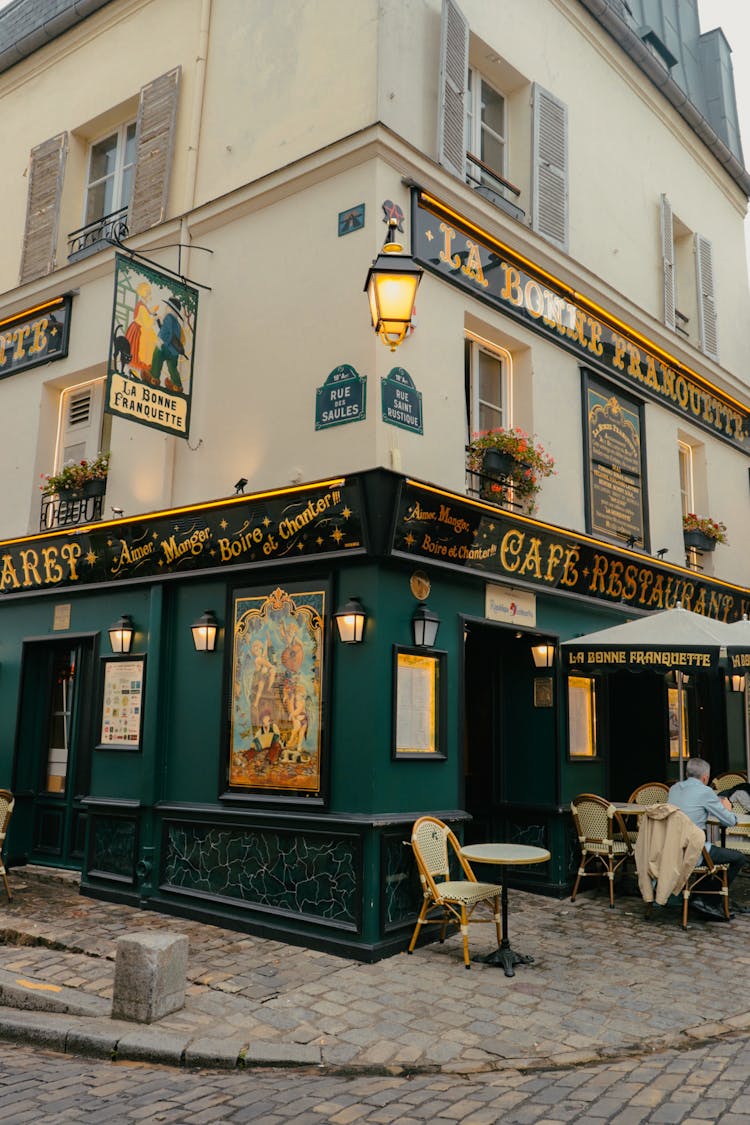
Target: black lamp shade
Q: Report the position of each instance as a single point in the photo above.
(425, 625)
(204, 632)
(121, 634)
(543, 654)
(350, 622)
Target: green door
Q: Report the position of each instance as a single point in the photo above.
(53, 757)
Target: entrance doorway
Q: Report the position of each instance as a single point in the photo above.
(509, 732)
(53, 752)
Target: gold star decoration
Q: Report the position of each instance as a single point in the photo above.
(410, 540)
(429, 235)
(346, 513)
(91, 558)
(223, 525)
(319, 541)
(337, 535)
(266, 522)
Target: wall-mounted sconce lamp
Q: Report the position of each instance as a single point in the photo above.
(204, 632)
(121, 634)
(391, 286)
(736, 682)
(543, 654)
(350, 622)
(425, 625)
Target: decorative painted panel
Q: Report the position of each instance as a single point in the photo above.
(402, 893)
(112, 847)
(312, 875)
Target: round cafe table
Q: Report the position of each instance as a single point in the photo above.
(505, 855)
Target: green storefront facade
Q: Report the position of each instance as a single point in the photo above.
(149, 770)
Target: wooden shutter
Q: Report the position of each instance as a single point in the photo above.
(81, 422)
(667, 255)
(454, 68)
(549, 160)
(46, 171)
(154, 138)
(707, 323)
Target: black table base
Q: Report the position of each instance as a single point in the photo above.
(506, 958)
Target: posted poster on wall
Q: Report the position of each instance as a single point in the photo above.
(152, 339)
(277, 678)
(122, 704)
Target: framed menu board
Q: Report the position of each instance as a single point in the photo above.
(122, 703)
(615, 472)
(418, 703)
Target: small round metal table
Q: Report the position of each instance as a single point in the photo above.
(505, 855)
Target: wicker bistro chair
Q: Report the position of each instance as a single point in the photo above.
(7, 801)
(604, 839)
(455, 900)
(738, 837)
(650, 793)
(704, 879)
(724, 781)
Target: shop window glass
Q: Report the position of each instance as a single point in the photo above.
(582, 731)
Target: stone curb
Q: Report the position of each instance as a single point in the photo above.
(29, 993)
(106, 1038)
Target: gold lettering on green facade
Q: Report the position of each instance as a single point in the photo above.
(39, 328)
(30, 566)
(8, 574)
(511, 290)
(192, 545)
(473, 265)
(53, 572)
(565, 318)
(446, 255)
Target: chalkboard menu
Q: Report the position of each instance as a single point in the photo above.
(614, 465)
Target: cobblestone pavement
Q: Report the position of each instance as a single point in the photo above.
(606, 985)
(711, 1084)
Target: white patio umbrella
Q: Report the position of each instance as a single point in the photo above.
(675, 640)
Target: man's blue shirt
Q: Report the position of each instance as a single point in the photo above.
(699, 802)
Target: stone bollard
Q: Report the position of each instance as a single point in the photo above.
(150, 974)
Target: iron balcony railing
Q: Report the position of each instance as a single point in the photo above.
(57, 513)
(98, 234)
(493, 186)
(496, 489)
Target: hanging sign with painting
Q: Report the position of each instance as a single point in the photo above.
(150, 366)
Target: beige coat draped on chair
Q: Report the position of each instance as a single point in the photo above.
(668, 847)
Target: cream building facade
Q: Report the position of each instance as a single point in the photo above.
(570, 178)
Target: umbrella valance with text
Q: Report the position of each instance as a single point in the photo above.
(673, 640)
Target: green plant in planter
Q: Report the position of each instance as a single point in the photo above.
(705, 526)
(524, 464)
(75, 475)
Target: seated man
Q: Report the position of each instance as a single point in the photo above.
(698, 801)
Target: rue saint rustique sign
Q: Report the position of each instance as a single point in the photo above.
(440, 526)
(461, 253)
(320, 520)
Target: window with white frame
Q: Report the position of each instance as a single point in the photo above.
(130, 166)
(486, 128)
(486, 374)
(80, 423)
(685, 455)
(474, 118)
(111, 168)
(688, 277)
